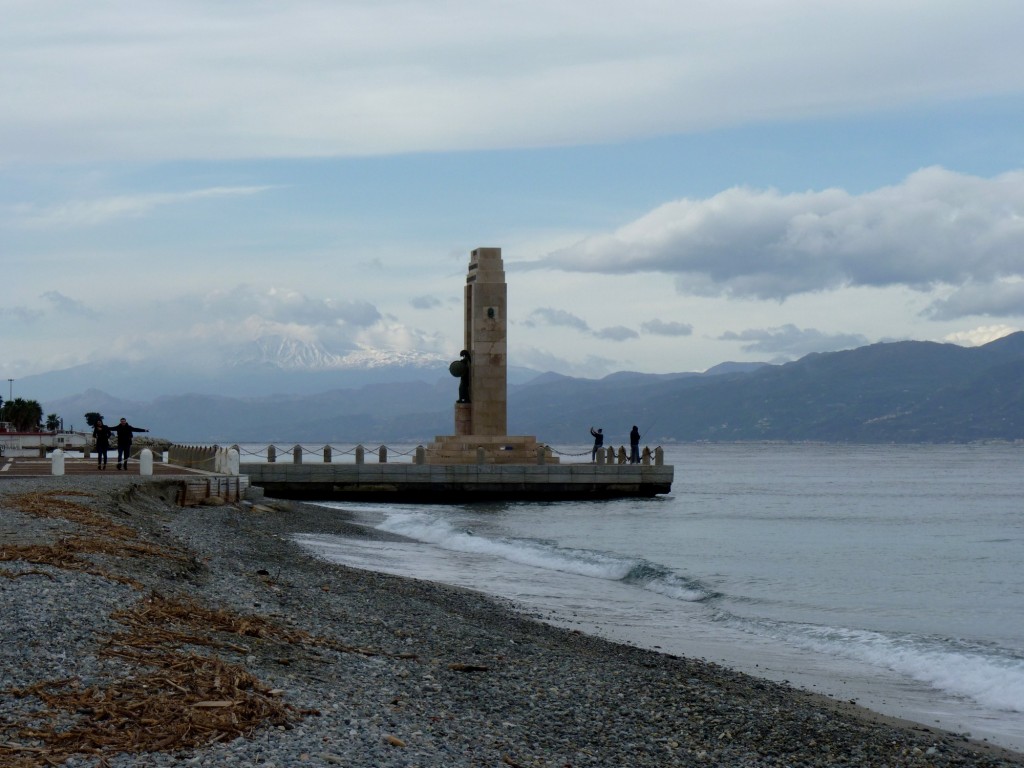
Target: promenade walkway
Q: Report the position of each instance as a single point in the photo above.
(22, 466)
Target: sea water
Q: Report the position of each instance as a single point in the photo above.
(892, 576)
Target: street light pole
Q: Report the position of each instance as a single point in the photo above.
(10, 393)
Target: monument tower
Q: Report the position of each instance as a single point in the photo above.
(481, 412)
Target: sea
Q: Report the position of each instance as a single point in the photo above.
(891, 575)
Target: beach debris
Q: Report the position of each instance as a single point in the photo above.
(394, 741)
(461, 667)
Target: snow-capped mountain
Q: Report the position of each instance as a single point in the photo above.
(292, 354)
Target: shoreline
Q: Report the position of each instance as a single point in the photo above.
(367, 668)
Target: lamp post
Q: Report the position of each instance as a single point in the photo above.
(10, 393)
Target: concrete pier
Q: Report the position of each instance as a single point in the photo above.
(458, 483)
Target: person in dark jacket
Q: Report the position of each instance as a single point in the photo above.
(634, 445)
(124, 432)
(101, 432)
(598, 442)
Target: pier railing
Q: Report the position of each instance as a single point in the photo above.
(217, 458)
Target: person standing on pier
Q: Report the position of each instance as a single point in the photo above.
(124, 432)
(101, 432)
(598, 443)
(634, 445)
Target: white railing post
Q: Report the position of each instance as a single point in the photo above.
(57, 462)
(146, 462)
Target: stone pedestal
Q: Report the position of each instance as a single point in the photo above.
(496, 449)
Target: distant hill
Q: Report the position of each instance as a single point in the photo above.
(895, 392)
(905, 392)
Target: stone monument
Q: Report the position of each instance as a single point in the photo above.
(481, 411)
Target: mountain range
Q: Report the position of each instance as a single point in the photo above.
(908, 391)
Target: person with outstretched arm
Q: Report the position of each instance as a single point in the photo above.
(598, 442)
(124, 432)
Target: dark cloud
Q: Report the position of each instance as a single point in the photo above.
(936, 227)
(616, 333)
(561, 318)
(790, 341)
(661, 328)
(999, 299)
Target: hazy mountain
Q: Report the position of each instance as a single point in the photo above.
(894, 392)
(268, 366)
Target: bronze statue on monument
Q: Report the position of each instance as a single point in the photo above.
(460, 369)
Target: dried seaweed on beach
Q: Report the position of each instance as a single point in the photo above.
(64, 555)
(185, 700)
(53, 504)
(175, 699)
(105, 537)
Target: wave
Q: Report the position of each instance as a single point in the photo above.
(547, 555)
(993, 677)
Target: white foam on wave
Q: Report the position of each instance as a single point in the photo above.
(990, 677)
(592, 564)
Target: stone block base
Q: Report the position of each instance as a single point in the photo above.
(487, 449)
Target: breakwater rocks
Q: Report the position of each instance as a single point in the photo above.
(137, 633)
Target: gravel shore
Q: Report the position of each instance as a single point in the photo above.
(138, 633)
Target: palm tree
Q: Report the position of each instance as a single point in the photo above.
(52, 422)
(25, 415)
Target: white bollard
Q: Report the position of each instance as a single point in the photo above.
(57, 462)
(234, 461)
(146, 462)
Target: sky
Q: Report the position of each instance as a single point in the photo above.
(673, 183)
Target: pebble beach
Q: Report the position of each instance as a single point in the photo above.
(139, 633)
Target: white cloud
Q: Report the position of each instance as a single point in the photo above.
(144, 81)
(89, 213)
(976, 337)
(936, 227)
(589, 366)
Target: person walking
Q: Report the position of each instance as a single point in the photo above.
(598, 443)
(124, 432)
(634, 445)
(101, 432)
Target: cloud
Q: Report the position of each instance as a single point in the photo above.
(323, 78)
(936, 227)
(425, 302)
(995, 299)
(21, 314)
(616, 333)
(90, 213)
(981, 335)
(561, 318)
(556, 317)
(790, 341)
(591, 366)
(661, 328)
(69, 306)
(290, 307)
